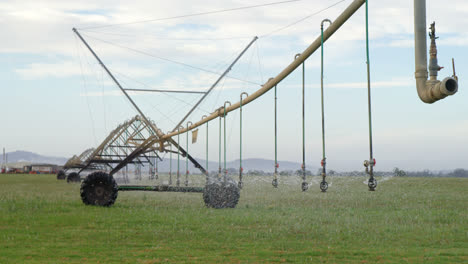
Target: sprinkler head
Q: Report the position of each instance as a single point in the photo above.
(275, 183)
(323, 186)
(372, 183)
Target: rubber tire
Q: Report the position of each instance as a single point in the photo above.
(219, 194)
(73, 177)
(99, 188)
(61, 175)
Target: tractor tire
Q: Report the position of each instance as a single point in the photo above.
(61, 175)
(99, 188)
(73, 177)
(219, 194)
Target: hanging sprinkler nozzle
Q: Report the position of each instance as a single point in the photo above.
(241, 170)
(178, 156)
(186, 159)
(372, 182)
(224, 116)
(323, 184)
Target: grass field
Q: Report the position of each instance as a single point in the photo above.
(407, 220)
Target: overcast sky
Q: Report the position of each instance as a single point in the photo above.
(56, 100)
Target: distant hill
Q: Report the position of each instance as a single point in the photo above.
(30, 157)
(248, 164)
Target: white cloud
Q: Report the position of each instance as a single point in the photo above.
(64, 69)
(43, 70)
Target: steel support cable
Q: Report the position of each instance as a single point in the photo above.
(323, 163)
(86, 91)
(176, 111)
(101, 81)
(270, 33)
(149, 86)
(168, 60)
(300, 20)
(248, 72)
(218, 93)
(339, 21)
(275, 175)
(192, 15)
(162, 38)
(259, 62)
(372, 183)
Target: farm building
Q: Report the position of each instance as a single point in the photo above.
(41, 168)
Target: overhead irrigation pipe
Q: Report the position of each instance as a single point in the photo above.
(339, 21)
(431, 90)
(323, 184)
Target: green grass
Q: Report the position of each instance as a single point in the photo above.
(407, 220)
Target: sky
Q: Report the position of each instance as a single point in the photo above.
(56, 100)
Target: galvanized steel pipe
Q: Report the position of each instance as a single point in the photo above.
(429, 91)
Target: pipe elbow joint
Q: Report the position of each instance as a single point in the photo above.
(432, 91)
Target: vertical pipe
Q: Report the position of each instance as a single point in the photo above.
(303, 123)
(170, 164)
(219, 158)
(420, 47)
(304, 183)
(156, 172)
(321, 92)
(241, 170)
(208, 173)
(186, 156)
(178, 159)
(224, 117)
(371, 154)
(323, 184)
(186, 160)
(275, 176)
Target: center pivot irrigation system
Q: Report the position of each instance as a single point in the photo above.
(138, 141)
